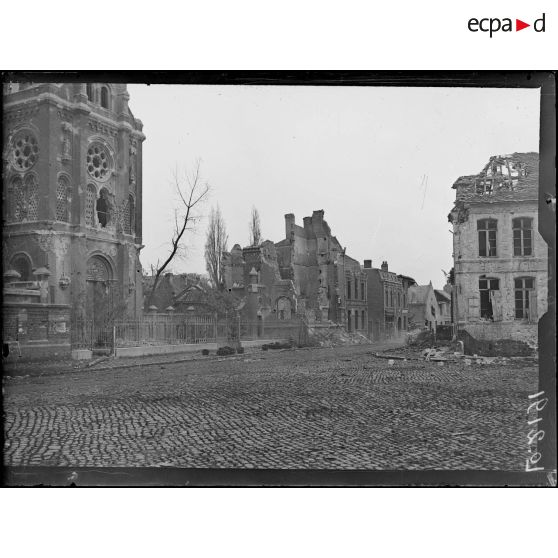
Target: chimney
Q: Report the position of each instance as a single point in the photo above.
(367, 264)
(307, 222)
(318, 215)
(384, 266)
(289, 224)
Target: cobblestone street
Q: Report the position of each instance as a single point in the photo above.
(318, 409)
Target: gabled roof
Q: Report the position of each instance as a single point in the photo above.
(442, 296)
(191, 294)
(418, 294)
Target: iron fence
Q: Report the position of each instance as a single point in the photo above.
(177, 330)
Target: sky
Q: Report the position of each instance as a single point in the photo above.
(379, 161)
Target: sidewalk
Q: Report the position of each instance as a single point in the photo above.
(23, 369)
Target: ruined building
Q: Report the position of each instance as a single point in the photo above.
(307, 274)
(387, 301)
(500, 259)
(72, 192)
(424, 309)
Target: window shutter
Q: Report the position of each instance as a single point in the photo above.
(496, 300)
(533, 317)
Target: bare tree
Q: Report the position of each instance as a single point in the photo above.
(255, 228)
(192, 193)
(215, 246)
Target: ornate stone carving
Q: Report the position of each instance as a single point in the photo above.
(65, 115)
(133, 163)
(45, 242)
(97, 270)
(102, 128)
(21, 114)
(62, 245)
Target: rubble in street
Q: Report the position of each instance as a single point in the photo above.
(442, 354)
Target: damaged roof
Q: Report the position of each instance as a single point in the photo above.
(442, 296)
(512, 177)
(418, 294)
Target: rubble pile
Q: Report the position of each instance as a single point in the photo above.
(328, 334)
(440, 355)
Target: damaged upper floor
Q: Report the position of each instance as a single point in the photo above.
(511, 177)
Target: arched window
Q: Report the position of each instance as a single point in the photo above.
(22, 264)
(90, 198)
(89, 90)
(103, 207)
(62, 200)
(129, 215)
(98, 269)
(104, 97)
(33, 197)
(16, 199)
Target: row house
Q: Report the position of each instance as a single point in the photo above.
(387, 301)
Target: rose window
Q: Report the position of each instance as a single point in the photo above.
(98, 162)
(25, 151)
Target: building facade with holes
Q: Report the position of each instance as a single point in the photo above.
(72, 192)
(330, 285)
(500, 259)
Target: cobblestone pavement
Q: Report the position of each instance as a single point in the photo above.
(321, 408)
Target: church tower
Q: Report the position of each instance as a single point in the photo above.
(72, 192)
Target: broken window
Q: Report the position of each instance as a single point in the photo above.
(363, 320)
(103, 208)
(356, 320)
(524, 291)
(486, 286)
(362, 291)
(89, 91)
(487, 237)
(349, 328)
(386, 300)
(484, 186)
(522, 236)
(348, 289)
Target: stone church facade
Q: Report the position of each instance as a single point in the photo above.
(72, 194)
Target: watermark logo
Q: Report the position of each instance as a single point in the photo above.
(494, 25)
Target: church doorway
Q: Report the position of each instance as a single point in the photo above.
(99, 298)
